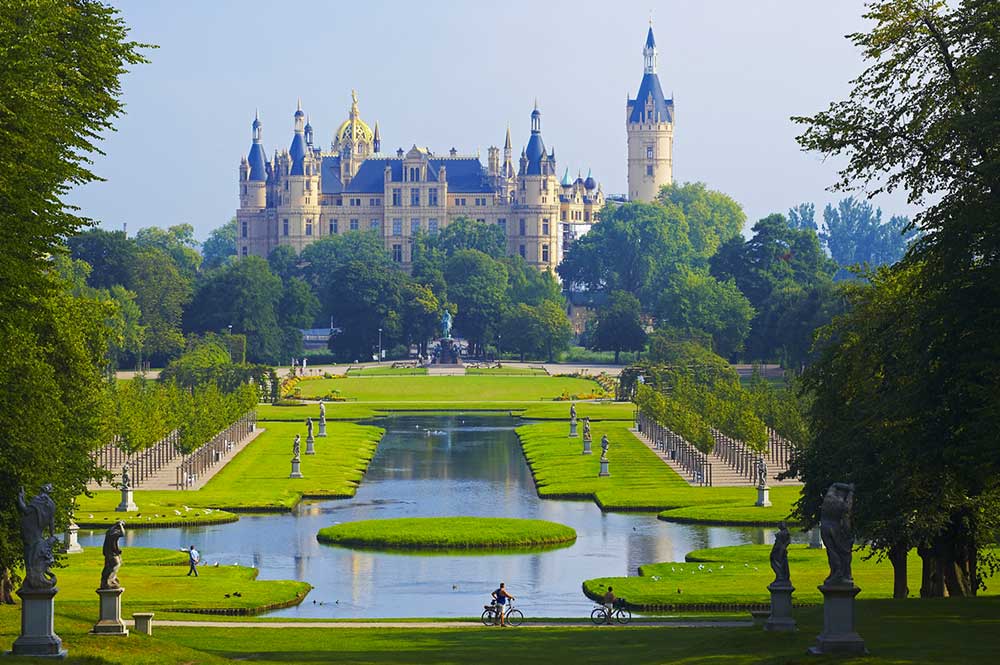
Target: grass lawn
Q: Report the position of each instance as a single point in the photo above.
(447, 533)
(914, 632)
(257, 478)
(529, 410)
(738, 576)
(639, 479)
(387, 371)
(402, 389)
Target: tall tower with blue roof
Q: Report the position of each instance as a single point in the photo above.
(649, 124)
(253, 192)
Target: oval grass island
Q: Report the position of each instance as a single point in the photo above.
(449, 534)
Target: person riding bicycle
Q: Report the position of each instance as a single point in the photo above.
(609, 602)
(500, 597)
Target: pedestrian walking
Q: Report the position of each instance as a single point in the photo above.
(193, 559)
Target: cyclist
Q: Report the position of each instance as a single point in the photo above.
(609, 602)
(500, 597)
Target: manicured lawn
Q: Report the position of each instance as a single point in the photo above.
(530, 410)
(639, 479)
(257, 478)
(447, 533)
(727, 576)
(914, 632)
(402, 389)
(387, 371)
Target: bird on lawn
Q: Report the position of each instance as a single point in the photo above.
(186, 508)
(177, 512)
(91, 516)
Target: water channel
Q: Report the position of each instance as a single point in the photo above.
(438, 466)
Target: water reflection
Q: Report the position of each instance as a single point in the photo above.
(441, 466)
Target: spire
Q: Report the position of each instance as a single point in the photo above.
(297, 151)
(309, 133)
(377, 141)
(506, 143)
(257, 159)
(649, 52)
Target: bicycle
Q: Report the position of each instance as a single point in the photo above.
(602, 615)
(491, 614)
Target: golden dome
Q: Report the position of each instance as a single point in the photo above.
(354, 128)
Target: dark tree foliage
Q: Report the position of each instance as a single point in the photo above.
(919, 355)
(110, 254)
(619, 325)
(220, 246)
(712, 217)
(855, 235)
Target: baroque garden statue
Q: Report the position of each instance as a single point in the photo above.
(779, 555)
(446, 325)
(37, 516)
(296, 446)
(112, 556)
(604, 447)
(835, 528)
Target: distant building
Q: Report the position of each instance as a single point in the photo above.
(305, 193)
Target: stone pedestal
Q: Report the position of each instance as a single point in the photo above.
(38, 636)
(309, 445)
(110, 622)
(70, 539)
(838, 636)
(143, 622)
(586, 447)
(780, 619)
(295, 469)
(572, 428)
(127, 504)
(604, 469)
(815, 539)
(763, 497)
(322, 426)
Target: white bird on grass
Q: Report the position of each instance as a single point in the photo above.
(177, 512)
(701, 566)
(186, 509)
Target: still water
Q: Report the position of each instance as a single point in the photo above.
(429, 466)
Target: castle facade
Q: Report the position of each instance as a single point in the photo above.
(305, 192)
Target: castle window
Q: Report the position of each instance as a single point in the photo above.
(480, 220)
(414, 174)
(333, 227)
(309, 227)
(284, 227)
(415, 196)
(649, 152)
(397, 227)
(397, 253)
(545, 227)
(243, 230)
(562, 215)
(649, 169)
(432, 197)
(373, 225)
(354, 225)
(414, 226)
(372, 202)
(502, 223)
(244, 250)
(309, 186)
(520, 250)
(286, 185)
(545, 253)
(244, 190)
(432, 226)
(397, 196)
(586, 216)
(522, 227)
(340, 201)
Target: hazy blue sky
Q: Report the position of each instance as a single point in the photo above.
(443, 74)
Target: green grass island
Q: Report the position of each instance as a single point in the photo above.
(451, 534)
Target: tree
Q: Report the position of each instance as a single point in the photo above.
(520, 331)
(526, 284)
(712, 217)
(477, 285)
(220, 246)
(803, 217)
(855, 235)
(284, 261)
(631, 250)
(246, 296)
(110, 254)
(694, 300)
(922, 116)
(161, 292)
(554, 328)
(177, 242)
(298, 306)
(60, 75)
(619, 325)
(464, 233)
(421, 314)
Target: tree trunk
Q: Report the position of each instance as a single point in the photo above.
(931, 579)
(6, 588)
(617, 353)
(897, 556)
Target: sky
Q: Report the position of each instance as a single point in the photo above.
(443, 74)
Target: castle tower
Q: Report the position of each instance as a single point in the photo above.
(355, 141)
(535, 235)
(251, 225)
(298, 209)
(649, 123)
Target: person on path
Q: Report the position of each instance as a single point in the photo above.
(609, 602)
(501, 596)
(193, 558)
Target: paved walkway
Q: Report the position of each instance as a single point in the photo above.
(439, 624)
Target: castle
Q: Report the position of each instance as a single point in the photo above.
(305, 193)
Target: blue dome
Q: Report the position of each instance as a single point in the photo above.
(590, 183)
(535, 152)
(257, 158)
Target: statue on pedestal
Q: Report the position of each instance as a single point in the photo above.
(586, 429)
(446, 325)
(296, 446)
(112, 556)
(761, 473)
(126, 478)
(835, 528)
(322, 411)
(604, 447)
(572, 412)
(779, 556)
(309, 428)
(37, 516)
